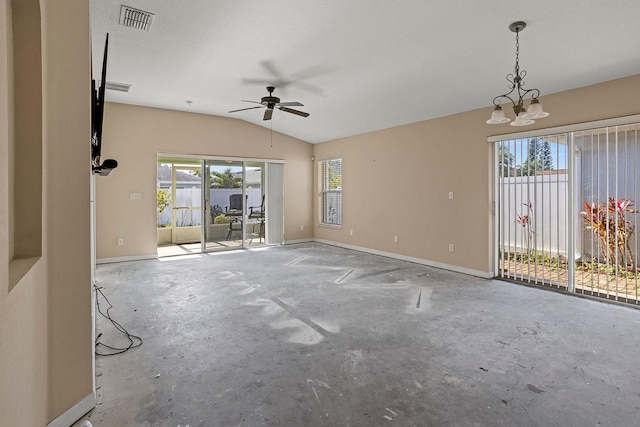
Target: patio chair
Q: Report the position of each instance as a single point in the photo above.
(234, 209)
(257, 213)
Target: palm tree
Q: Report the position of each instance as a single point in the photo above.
(226, 179)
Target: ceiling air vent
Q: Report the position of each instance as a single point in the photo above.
(120, 87)
(135, 18)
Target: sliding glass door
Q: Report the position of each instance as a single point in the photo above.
(179, 205)
(224, 204)
(567, 211)
(255, 230)
(608, 193)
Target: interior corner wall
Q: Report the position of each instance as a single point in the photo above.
(67, 135)
(134, 135)
(45, 323)
(396, 182)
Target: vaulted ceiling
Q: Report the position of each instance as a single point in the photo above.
(358, 65)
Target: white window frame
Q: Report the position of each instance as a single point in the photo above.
(325, 192)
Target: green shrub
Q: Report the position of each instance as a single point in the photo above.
(222, 219)
(164, 200)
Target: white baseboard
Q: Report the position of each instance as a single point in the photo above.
(74, 413)
(126, 258)
(449, 267)
(293, 242)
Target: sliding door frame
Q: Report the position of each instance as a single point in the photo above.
(573, 179)
(273, 201)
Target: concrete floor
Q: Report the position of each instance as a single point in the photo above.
(314, 335)
(170, 249)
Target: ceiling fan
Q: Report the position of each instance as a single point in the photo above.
(281, 81)
(270, 102)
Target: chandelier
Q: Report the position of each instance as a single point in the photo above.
(524, 116)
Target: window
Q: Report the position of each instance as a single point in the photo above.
(331, 177)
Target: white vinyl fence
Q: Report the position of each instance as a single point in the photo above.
(191, 197)
(529, 217)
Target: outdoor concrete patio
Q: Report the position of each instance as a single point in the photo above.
(316, 335)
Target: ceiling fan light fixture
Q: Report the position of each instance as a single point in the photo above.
(518, 92)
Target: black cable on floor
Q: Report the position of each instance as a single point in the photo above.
(134, 341)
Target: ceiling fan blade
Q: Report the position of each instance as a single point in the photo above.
(242, 109)
(271, 68)
(281, 84)
(255, 81)
(290, 104)
(253, 102)
(268, 114)
(292, 111)
(309, 87)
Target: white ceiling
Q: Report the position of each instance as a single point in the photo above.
(358, 65)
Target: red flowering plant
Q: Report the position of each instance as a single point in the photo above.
(612, 228)
(526, 221)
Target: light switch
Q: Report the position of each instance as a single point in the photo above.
(135, 196)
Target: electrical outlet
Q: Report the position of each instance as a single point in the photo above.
(121, 242)
(451, 247)
(395, 239)
(135, 196)
(450, 195)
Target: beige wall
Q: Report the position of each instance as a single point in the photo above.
(45, 320)
(66, 154)
(396, 181)
(135, 135)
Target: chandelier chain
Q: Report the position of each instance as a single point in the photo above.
(517, 53)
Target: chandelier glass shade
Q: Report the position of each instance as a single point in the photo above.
(517, 93)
